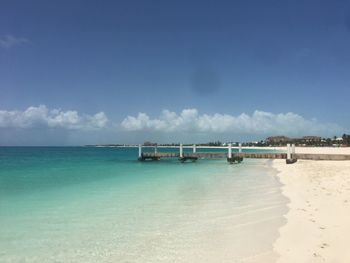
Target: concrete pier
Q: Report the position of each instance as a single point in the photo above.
(236, 157)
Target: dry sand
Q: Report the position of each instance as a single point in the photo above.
(318, 221)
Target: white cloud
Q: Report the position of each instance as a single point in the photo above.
(41, 116)
(99, 120)
(9, 41)
(260, 122)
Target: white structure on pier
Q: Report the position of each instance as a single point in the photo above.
(229, 150)
(140, 150)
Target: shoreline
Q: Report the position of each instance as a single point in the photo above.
(318, 219)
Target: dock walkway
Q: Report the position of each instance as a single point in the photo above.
(290, 156)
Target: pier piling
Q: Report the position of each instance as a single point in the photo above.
(140, 151)
(181, 151)
(229, 155)
(290, 153)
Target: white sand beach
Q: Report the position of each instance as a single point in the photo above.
(318, 220)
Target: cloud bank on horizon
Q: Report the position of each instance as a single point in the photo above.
(39, 125)
(41, 116)
(259, 122)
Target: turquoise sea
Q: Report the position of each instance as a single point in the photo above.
(89, 204)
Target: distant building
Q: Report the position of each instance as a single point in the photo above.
(277, 139)
(339, 139)
(148, 143)
(311, 138)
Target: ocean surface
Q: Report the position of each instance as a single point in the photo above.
(88, 204)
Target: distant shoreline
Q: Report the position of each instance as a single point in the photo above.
(302, 149)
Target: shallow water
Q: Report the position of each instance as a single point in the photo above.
(82, 204)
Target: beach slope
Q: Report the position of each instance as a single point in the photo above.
(318, 221)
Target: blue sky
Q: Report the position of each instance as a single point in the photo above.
(76, 72)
